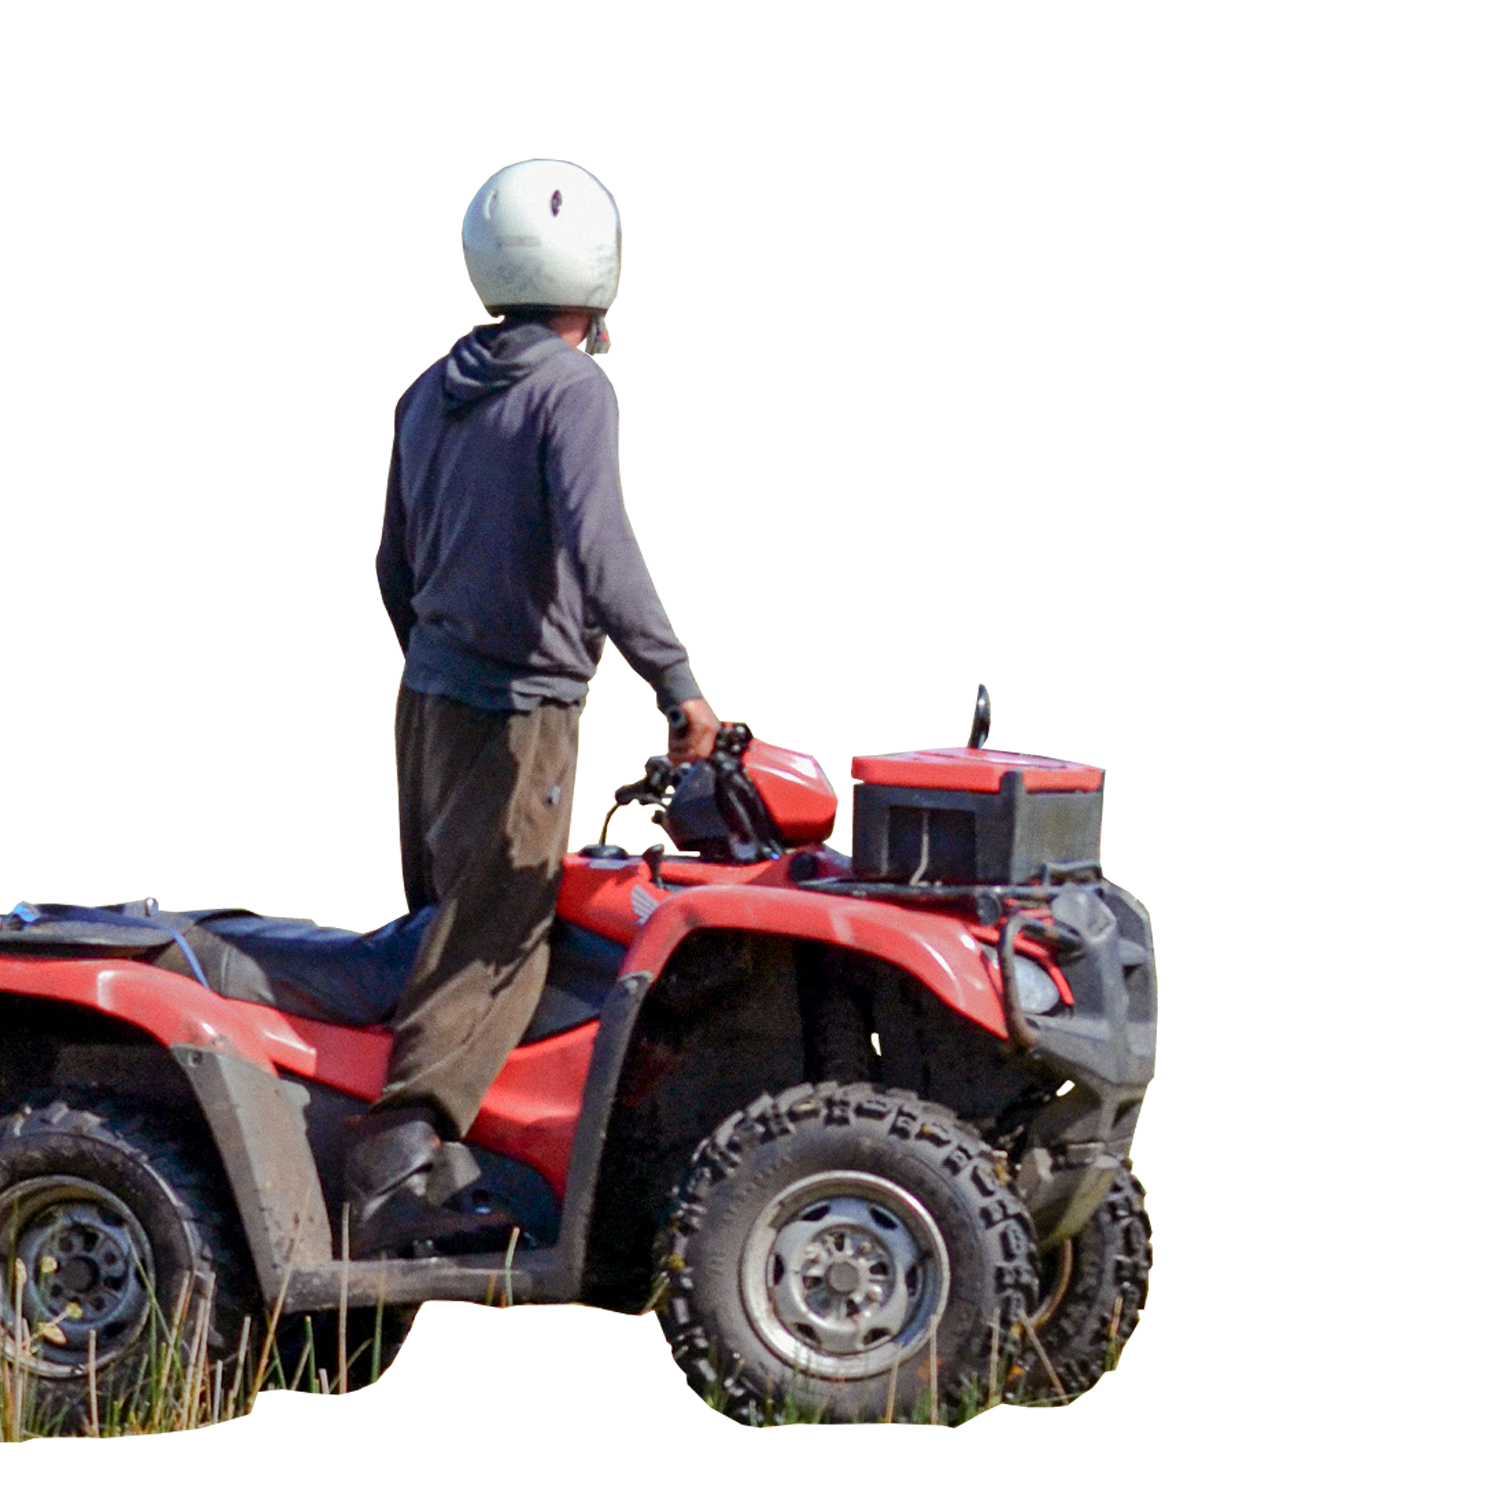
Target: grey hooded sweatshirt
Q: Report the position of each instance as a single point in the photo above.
(506, 556)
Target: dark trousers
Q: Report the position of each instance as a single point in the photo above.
(485, 803)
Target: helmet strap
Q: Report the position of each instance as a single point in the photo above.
(598, 336)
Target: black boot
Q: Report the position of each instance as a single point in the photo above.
(397, 1175)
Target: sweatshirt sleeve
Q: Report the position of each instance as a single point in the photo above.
(582, 469)
(392, 568)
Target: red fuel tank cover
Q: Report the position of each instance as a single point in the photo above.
(797, 794)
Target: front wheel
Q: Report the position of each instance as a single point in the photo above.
(1093, 1290)
(843, 1251)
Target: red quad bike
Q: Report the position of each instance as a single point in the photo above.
(857, 1127)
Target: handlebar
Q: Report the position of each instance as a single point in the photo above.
(662, 774)
(746, 832)
(729, 746)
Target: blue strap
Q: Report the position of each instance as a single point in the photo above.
(189, 955)
(28, 915)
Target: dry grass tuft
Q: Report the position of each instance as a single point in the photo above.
(1094, 294)
(87, 312)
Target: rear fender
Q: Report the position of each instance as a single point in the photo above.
(177, 1011)
(229, 1054)
(232, 1052)
(937, 951)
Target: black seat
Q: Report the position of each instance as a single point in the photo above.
(356, 978)
(324, 973)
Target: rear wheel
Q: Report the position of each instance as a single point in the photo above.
(828, 1245)
(124, 1286)
(1093, 1290)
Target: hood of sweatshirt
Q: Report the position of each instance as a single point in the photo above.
(493, 357)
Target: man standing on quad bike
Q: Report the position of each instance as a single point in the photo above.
(505, 560)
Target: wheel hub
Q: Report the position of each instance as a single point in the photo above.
(844, 1274)
(77, 1263)
(843, 1277)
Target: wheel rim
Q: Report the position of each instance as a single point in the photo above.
(844, 1274)
(77, 1263)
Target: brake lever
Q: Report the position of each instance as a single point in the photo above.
(661, 776)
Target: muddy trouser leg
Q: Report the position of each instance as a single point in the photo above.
(486, 801)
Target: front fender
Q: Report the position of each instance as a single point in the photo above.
(935, 950)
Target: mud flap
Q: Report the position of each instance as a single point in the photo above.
(262, 1142)
(616, 1027)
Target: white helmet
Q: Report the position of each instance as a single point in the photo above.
(543, 234)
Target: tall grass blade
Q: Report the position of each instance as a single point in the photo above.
(171, 1354)
(268, 1344)
(239, 1366)
(305, 1358)
(510, 1254)
(934, 1416)
(93, 1382)
(344, 1304)
(379, 1328)
(1036, 1344)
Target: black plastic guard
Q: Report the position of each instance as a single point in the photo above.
(262, 1142)
(563, 1279)
(1110, 1033)
(1104, 1047)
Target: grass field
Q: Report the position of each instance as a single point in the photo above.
(1092, 213)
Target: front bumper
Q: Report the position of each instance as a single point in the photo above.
(1104, 1046)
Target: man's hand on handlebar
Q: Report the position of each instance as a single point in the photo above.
(692, 728)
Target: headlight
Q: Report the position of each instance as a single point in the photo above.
(1036, 991)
